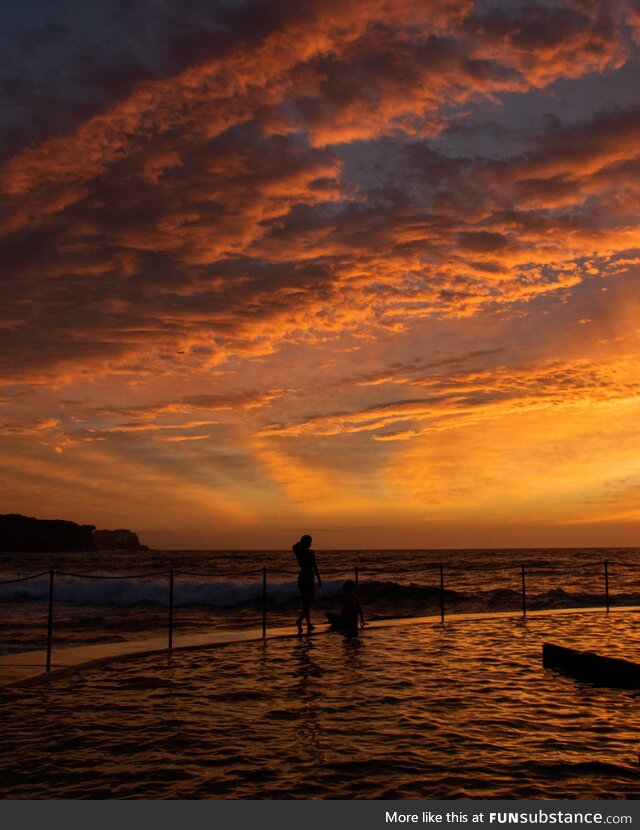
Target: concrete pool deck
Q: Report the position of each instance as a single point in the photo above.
(28, 667)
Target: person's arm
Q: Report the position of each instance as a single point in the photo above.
(316, 571)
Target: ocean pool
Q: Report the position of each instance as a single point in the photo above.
(464, 710)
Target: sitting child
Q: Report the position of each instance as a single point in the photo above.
(347, 620)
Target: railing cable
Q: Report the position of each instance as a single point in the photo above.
(24, 578)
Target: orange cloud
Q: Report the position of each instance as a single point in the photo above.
(206, 210)
(471, 397)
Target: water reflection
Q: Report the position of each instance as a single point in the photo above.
(307, 694)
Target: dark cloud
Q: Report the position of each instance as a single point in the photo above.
(482, 241)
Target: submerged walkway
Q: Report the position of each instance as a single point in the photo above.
(28, 667)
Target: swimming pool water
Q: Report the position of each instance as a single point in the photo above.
(419, 711)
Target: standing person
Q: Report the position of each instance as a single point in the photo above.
(306, 579)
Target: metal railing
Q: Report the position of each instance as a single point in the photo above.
(172, 573)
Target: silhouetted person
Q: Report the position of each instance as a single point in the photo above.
(347, 620)
(306, 579)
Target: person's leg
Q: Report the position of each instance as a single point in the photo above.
(302, 600)
(306, 594)
(308, 614)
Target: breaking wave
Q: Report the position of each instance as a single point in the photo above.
(228, 593)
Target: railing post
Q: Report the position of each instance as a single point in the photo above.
(606, 584)
(50, 619)
(524, 593)
(357, 576)
(441, 593)
(170, 607)
(264, 603)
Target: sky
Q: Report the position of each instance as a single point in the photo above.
(362, 269)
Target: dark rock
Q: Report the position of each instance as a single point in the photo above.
(591, 667)
(120, 539)
(24, 533)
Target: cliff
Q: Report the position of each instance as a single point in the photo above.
(24, 533)
(120, 539)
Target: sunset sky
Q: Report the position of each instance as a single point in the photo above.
(365, 269)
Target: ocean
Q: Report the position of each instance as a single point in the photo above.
(105, 597)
